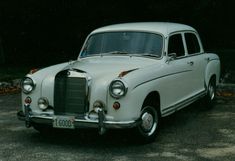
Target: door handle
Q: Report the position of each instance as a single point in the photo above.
(190, 63)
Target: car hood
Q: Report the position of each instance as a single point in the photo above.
(111, 66)
(102, 71)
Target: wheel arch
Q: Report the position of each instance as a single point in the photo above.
(153, 99)
(212, 72)
(211, 78)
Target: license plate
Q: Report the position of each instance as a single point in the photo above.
(65, 122)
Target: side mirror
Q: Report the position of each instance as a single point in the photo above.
(171, 57)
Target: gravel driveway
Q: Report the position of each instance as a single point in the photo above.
(191, 134)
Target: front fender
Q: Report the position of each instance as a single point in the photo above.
(132, 103)
(44, 80)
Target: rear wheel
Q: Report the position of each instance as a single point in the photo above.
(149, 124)
(211, 92)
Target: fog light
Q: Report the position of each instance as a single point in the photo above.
(28, 100)
(116, 105)
(43, 103)
(98, 104)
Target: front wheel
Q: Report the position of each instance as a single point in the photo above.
(148, 127)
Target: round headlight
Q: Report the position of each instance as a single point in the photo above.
(27, 85)
(43, 103)
(117, 89)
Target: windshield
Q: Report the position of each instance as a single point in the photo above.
(131, 43)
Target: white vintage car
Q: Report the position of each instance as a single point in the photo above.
(126, 76)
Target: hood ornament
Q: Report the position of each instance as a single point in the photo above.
(70, 64)
(68, 73)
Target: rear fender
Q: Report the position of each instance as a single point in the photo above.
(212, 69)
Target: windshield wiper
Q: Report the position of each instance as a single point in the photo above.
(150, 55)
(116, 52)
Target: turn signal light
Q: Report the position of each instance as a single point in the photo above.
(116, 105)
(123, 73)
(28, 100)
(32, 71)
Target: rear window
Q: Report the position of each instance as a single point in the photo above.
(192, 43)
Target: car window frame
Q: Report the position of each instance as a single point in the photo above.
(199, 42)
(183, 41)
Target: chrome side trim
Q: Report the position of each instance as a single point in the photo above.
(169, 110)
(161, 77)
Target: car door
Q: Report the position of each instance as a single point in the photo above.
(196, 59)
(177, 86)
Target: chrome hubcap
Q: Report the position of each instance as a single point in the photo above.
(147, 121)
(211, 92)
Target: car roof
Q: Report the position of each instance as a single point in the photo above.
(159, 27)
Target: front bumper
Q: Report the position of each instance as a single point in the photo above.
(85, 122)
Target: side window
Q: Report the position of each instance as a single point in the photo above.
(175, 45)
(192, 43)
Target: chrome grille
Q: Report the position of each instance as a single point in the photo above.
(70, 94)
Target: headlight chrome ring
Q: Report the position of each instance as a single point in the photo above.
(117, 89)
(27, 85)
